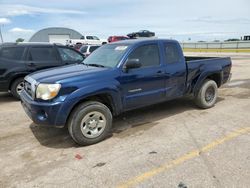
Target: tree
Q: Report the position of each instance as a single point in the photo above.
(19, 40)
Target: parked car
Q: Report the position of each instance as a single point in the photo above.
(117, 38)
(20, 59)
(116, 78)
(142, 33)
(86, 50)
(77, 46)
(85, 40)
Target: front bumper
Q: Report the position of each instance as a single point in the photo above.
(43, 113)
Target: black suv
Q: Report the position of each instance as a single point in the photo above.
(20, 59)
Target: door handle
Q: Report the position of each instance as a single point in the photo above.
(159, 72)
(31, 64)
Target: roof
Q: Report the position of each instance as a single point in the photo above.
(30, 44)
(138, 41)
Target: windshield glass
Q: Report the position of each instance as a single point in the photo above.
(107, 55)
(95, 38)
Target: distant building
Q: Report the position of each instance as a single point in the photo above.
(55, 35)
(247, 37)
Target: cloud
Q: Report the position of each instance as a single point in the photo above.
(20, 30)
(18, 10)
(199, 20)
(211, 20)
(4, 21)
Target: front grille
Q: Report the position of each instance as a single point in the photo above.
(28, 88)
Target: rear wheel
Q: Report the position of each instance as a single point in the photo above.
(207, 94)
(17, 87)
(90, 123)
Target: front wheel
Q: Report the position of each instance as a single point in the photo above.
(207, 94)
(17, 87)
(90, 123)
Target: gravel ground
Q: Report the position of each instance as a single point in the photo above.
(173, 144)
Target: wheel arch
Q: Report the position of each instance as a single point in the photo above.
(14, 78)
(104, 98)
(215, 76)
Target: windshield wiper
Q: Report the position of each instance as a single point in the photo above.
(95, 65)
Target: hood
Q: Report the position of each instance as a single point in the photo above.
(56, 75)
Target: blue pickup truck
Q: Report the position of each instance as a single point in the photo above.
(119, 77)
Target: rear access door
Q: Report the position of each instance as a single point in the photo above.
(175, 70)
(42, 57)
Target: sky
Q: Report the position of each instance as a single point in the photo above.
(183, 20)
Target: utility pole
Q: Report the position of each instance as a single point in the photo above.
(1, 36)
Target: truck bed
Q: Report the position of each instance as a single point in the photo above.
(196, 65)
(194, 58)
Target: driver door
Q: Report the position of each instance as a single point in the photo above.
(145, 85)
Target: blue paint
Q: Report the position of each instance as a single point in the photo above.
(125, 90)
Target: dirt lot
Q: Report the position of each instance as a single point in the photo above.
(167, 145)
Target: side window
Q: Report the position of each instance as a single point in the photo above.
(147, 55)
(83, 49)
(69, 55)
(42, 54)
(89, 37)
(12, 53)
(93, 48)
(172, 53)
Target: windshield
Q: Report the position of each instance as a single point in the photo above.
(95, 38)
(93, 48)
(107, 55)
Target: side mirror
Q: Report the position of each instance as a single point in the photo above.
(132, 64)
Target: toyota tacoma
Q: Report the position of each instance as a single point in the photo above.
(116, 78)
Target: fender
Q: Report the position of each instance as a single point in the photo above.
(79, 95)
(207, 71)
(15, 76)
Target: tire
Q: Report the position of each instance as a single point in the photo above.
(15, 87)
(90, 123)
(207, 94)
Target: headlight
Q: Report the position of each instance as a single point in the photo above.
(47, 91)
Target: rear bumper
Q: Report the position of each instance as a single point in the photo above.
(227, 78)
(43, 113)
